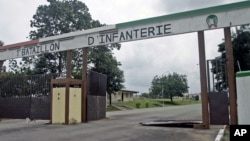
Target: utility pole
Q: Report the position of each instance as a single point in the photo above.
(162, 88)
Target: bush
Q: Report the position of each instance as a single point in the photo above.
(196, 97)
(146, 104)
(137, 104)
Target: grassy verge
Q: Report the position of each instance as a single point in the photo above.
(150, 103)
(226, 135)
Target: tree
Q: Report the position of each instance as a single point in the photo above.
(1, 43)
(145, 95)
(66, 16)
(104, 62)
(2, 68)
(156, 87)
(169, 86)
(57, 18)
(241, 52)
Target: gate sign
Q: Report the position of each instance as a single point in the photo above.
(191, 21)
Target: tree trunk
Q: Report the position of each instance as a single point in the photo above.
(60, 62)
(110, 99)
(171, 98)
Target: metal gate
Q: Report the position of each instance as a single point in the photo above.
(29, 96)
(25, 96)
(96, 98)
(21, 108)
(218, 105)
(217, 92)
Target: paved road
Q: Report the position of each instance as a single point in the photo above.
(118, 126)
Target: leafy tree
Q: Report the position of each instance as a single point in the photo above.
(104, 62)
(219, 68)
(1, 43)
(241, 52)
(145, 95)
(169, 86)
(2, 68)
(156, 87)
(54, 19)
(66, 16)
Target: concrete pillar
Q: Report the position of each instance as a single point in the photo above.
(230, 76)
(84, 85)
(203, 80)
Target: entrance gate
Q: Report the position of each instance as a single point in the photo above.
(224, 16)
(29, 96)
(25, 96)
(217, 92)
(218, 108)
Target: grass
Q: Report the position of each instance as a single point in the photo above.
(150, 103)
(226, 135)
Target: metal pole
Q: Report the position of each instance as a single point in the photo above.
(203, 80)
(162, 88)
(162, 91)
(213, 83)
(230, 76)
(1, 66)
(208, 76)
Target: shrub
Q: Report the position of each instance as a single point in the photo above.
(196, 97)
(137, 104)
(146, 104)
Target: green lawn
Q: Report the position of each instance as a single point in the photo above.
(149, 103)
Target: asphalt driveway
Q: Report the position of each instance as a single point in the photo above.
(118, 126)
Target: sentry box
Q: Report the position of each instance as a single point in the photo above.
(66, 101)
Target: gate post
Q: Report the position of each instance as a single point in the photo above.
(230, 76)
(203, 80)
(68, 75)
(84, 85)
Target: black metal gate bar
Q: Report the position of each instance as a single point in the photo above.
(25, 96)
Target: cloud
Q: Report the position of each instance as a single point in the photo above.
(173, 6)
(141, 60)
(15, 19)
(118, 11)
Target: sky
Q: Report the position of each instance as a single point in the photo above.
(141, 60)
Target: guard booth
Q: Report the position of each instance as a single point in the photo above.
(66, 101)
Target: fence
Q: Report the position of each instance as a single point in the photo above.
(26, 86)
(29, 96)
(26, 96)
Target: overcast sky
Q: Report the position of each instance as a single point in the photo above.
(141, 60)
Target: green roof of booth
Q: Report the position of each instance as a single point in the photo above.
(243, 73)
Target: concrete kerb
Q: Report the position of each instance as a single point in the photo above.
(220, 133)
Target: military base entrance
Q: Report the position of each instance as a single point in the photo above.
(224, 16)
